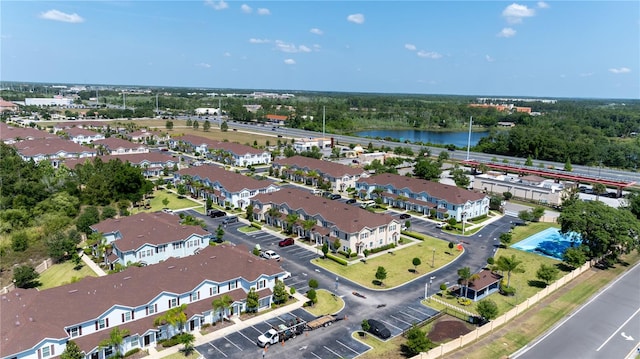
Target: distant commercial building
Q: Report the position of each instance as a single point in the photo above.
(531, 188)
(56, 101)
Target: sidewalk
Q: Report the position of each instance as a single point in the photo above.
(91, 264)
(237, 325)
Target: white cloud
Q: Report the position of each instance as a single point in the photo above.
(489, 58)
(290, 61)
(356, 18)
(203, 65)
(291, 48)
(507, 32)
(227, 54)
(316, 31)
(56, 15)
(263, 11)
(216, 5)
(543, 5)
(259, 41)
(429, 54)
(410, 47)
(246, 8)
(514, 13)
(620, 70)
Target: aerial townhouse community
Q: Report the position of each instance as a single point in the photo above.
(80, 135)
(357, 229)
(311, 170)
(229, 153)
(53, 150)
(153, 164)
(38, 324)
(118, 146)
(224, 188)
(149, 238)
(429, 198)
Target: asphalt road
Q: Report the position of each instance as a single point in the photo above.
(402, 305)
(608, 326)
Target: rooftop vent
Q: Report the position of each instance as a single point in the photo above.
(171, 267)
(73, 291)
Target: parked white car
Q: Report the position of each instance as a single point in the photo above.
(269, 254)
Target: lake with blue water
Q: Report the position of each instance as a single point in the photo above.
(459, 139)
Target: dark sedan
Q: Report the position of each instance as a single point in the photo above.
(286, 242)
(378, 329)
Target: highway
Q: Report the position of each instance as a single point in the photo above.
(598, 172)
(608, 326)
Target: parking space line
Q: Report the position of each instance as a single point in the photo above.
(246, 337)
(346, 346)
(387, 323)
(421, 312)
(216, 348)
(232, 343)
(409, 315)
(331, 351)
(315, 355)
(400, 320)
(256, 329)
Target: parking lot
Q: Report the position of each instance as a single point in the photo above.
(242, 344)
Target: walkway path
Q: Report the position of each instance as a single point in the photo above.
(91, 264)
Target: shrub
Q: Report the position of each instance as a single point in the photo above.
(464, 301)
(347, 255)
(383, 248)
(256, 225)
(508, 291)
(131, 352)
(415, 235)
(337, 259)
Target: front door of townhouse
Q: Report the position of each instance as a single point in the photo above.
(147, 340)
(192, 325)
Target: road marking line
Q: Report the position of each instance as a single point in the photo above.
(314, 354)
(246, 337)
(232, 343)
(387, 323)
(216, 348)
(256, 329)
(409, 315)
(346, 346)
(399, 320)
(617, 330)
(421, 312)
(331, 351)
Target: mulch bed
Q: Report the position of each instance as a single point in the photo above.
(447, 328)
(212, 328)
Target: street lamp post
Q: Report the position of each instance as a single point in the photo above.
(426, 287)
(433, 259)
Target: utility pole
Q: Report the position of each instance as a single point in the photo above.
(469, 139)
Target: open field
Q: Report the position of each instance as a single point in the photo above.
(63, 273)
(327, 303)
(398, 264)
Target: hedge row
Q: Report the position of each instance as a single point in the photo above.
(256, 225)
(175, 340)
(337, 259)
(383, 248)
(353, 254)
(414, 235)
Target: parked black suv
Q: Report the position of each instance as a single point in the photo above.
(378, 329)
(351, 201)
(215, 213)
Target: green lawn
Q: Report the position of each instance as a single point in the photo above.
(522, 232)
(248, 229)
(398, 264)
(175, 203)
(327, 304)
(526, 283)
(181, 355)
(63, 273)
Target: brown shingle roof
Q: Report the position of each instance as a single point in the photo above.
(231, 181)
(485, 278)
(335, 170)
(77, 131)
(27, 315)
(53, 146)
(152, 228)
(133, 158)
(232, 147)
(451, 194)
(113, 143)
(12, 133)
(349, 219)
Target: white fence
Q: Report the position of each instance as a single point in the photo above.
(469, 338)
(40, 268)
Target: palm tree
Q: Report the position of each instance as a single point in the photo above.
(175, 317)
(599, 189)
(466, 277)
(291, 219)
(273, 213)
(223, 303)
(509, 265)
(116, 338)
(307, 225)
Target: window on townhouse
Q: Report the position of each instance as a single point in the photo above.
(162, 248)
(135, 341)
(195, 296)
(74, 332)
(364, 235)
(381, 230)
(213, 290)
(102, 323)
(232, 285)
(151, 309)
(149, 253)
(380, 242)
(261, 284)
(126, 316)
(46, 351)
(173, 302)
(392, 227)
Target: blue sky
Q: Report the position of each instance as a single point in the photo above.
(488, 48)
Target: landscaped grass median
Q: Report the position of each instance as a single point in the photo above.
(398, 263)
(327, 303)
(174, 204)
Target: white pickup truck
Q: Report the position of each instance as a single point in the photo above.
(281, 333)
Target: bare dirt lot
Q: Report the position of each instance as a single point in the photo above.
(447, 328)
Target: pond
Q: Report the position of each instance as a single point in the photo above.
(459, 139)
